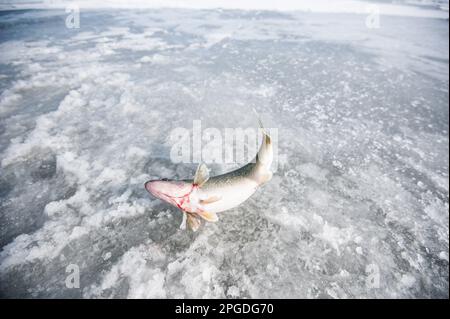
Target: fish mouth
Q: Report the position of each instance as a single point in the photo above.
(150, 187)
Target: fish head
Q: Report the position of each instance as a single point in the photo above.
(173, 192)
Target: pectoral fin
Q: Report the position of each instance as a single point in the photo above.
(210, 200)
(210, 217)
(183, 223)
(201, 175)
(193, 222)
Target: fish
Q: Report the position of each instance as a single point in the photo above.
(202, 197)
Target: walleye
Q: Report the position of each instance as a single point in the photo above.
(205, 196)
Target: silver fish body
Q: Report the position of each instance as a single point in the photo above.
(205, 196)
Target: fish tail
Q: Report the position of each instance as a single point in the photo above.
(261, 126)
(264, 157)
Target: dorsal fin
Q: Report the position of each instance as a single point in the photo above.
(201, 175)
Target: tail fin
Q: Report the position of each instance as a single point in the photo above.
(267, 141)
(261, 123)
(265, 153)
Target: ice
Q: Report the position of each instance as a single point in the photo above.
(361, 186)
(422, 8)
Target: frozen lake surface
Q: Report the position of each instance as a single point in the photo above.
(358, 206)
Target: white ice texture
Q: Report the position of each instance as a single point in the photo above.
(357, 208)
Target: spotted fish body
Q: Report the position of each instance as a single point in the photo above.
(204, 196)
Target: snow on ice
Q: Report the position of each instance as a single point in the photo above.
(361, 190)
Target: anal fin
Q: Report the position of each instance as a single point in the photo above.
(264, 178)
